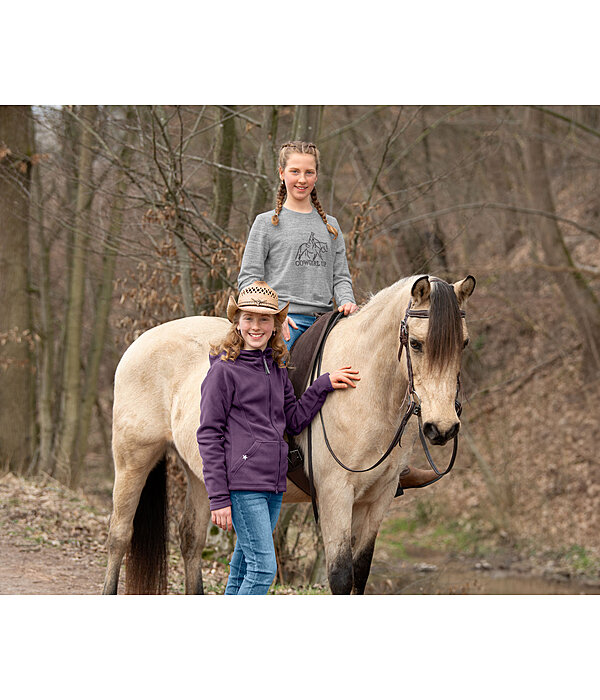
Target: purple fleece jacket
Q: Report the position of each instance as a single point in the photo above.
(245, 407)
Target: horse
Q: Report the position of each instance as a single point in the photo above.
(311, 250)
(156, 412)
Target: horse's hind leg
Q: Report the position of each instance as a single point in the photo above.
(192, 531)
(132, 467)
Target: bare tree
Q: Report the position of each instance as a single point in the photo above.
(579, 297)
(104, 298)
(16, 366)
(71, 404)
(307, 122)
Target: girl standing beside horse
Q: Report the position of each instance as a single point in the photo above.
(247, 402)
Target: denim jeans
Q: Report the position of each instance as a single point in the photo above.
(253, 564)
(304, 322)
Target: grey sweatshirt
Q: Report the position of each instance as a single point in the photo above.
(299, 259)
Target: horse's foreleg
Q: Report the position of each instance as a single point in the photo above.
(366, 520)
(335, 516)
(192, 532)
(363, 545)
(361, 563)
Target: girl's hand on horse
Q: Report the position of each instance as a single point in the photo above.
(348, 308)
(222, 518)
(344, 377)
(285, 327)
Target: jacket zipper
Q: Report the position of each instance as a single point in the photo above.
(267, 372)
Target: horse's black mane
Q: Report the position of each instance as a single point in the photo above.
(445, 333)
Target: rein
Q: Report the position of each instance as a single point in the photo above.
(414, 407)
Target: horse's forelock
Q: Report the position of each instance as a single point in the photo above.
(445, 332)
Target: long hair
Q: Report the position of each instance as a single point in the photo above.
(233, 343)
(284, 153)
(445, 332)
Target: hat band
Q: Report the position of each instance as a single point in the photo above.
(257, 302)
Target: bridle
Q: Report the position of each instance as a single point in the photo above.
(414, 406)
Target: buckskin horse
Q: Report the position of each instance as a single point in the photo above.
(407, 342)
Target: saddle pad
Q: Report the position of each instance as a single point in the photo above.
(304, 351)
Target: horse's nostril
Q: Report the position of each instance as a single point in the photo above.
(431, 431)
(453, 432)
(435, 437)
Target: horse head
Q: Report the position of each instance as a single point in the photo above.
(435, 334)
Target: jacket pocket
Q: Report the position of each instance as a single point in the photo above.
(242, 459)
(259, 464)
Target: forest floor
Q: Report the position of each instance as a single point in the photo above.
(52, 542)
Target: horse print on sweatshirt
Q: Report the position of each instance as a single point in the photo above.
(311, 252)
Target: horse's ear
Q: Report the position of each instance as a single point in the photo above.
(464, 289)
(421, 290)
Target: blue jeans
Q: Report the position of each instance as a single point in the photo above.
(304, 322)
(253, 564)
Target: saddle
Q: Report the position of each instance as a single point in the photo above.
(302, 360)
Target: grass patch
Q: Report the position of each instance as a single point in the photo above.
(426, 532)
(581, 560)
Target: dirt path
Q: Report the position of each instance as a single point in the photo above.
(51, 539)
(27, 569)
(53, 542)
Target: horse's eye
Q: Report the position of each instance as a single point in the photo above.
(416, 345)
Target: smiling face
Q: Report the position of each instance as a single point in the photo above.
(256, 329)
(300, 176)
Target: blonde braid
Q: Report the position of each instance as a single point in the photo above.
(281, 192)
(319, 208)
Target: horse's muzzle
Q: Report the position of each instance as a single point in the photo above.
(436, 437)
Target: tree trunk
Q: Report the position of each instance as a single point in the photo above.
(71, 404)
(307, 122)
(265, 163)
(16, 365)
(185, 272)
(579, 297)
(111, 246)
(223, 185)
(46, 387)
(434, 234)
(223, 180)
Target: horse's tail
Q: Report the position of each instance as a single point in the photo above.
(146, 562)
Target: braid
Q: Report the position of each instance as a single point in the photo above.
(319, 208)
(281, 192)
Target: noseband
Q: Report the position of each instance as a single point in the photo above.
(414, 406)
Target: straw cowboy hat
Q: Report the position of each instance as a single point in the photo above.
(258, 298)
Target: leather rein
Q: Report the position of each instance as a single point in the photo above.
(414, 407)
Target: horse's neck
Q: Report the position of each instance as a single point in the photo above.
(371, 339)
